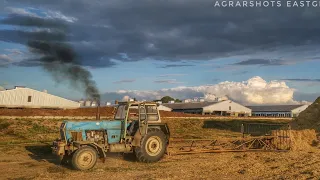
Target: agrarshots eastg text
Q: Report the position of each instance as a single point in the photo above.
(266, 3)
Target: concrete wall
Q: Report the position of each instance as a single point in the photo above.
(19, 98)
(225, 106)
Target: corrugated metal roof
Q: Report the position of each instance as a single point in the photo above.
(193, 105)
(273, 108)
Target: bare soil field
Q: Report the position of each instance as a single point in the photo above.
(25, 154)
(36, 162)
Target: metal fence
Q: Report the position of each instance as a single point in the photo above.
(262, 129)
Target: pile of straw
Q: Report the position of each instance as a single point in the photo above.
(298, 140)
(302, 139)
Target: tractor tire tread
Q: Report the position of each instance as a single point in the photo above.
(75, 155)
(140, 152)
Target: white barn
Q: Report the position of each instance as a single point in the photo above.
(278, 110)
(223, 108)
(21, 97)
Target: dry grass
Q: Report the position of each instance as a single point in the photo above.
(35, 162)
(15, 131)
(25, 130)
(214, 128)
(301, 140)
(194, 128)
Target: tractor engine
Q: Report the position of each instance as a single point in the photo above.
(97, 136)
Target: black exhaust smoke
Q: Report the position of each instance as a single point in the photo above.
(54, 52)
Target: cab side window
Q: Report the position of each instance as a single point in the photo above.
(142, 112)
(152, 113)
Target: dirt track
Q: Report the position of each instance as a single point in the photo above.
(36, 162)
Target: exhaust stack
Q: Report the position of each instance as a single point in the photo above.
(98, 110)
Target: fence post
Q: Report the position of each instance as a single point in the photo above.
(242, 130)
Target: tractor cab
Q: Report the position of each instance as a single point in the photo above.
(136, 114)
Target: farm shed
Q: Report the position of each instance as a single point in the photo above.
(277, 110)
(223, 108)
(21, 97)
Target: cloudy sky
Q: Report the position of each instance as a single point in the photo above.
(147, 49)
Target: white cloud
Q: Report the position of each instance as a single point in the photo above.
(5, 58)
(21, 11)
(13, 55)
(253, 91)
(59, 15)
(14, 51)
(47, 14)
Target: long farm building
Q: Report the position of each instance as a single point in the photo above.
(22, 97)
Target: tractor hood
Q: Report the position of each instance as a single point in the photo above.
(92, 125)
(76, 130)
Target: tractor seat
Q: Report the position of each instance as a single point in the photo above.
(132, 128)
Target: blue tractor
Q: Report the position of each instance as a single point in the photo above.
(136, 128)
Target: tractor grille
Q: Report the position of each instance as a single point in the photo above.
(76, 136)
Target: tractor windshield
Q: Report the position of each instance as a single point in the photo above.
(121, 112)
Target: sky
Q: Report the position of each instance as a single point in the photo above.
(149, 49)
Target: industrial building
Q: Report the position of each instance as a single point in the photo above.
(22, 97)
(223, 108)
(277, 110)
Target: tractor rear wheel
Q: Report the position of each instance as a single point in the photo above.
(152, 147)
(84, 158)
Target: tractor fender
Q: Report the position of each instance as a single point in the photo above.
(161, 126)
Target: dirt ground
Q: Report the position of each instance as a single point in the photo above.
(23, 156)
(36, 162)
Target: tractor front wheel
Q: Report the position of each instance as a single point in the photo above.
(152, 147)
(84, 158)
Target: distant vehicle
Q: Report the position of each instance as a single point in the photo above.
(136, 128)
